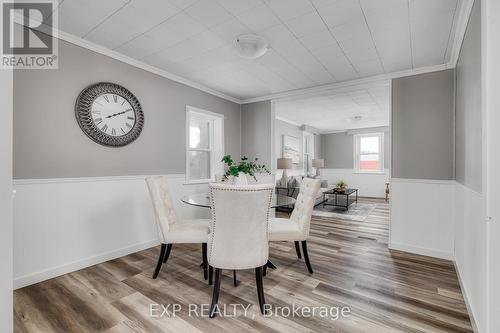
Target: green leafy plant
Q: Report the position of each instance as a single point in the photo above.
(247, 167)
(341, 184)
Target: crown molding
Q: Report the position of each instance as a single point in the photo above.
(460, 29)
(291, 122)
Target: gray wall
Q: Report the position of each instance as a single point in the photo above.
(318, 151)
(283, 128)
(338, 149)
(48, 142)
(256, 139)
(423, 126)
(468, 131)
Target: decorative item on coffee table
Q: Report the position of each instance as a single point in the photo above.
(245, 167)
(341, 186)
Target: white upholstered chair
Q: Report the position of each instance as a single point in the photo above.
(171, 230)
(239, 232)
(296, 228)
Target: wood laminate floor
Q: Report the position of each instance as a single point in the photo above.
(385, 291)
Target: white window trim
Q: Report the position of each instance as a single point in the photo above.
(357, 138)
(216, 165)
(305, 155)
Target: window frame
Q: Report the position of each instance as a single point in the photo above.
(307, 156)
(357, 154)
(215, 145)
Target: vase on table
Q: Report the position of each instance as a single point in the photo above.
(240, 180)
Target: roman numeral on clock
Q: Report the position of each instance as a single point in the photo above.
(115, 98)
(98, 121)
(131, 118)
(106, 98)
(113, 132)
(104, 128)
(128, 125)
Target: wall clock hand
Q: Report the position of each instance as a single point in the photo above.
(119, 113)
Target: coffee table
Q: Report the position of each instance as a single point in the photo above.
(340, 198)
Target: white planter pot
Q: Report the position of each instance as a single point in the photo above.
(241, 180)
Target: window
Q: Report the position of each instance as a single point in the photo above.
(369, 153)
(205, 145)
(308, 152)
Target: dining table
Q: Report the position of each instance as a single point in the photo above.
(203, 200)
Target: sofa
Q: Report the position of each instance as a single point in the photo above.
(293, 187)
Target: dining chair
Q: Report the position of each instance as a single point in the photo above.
(172, 230)
(296, 228)
(238, 236)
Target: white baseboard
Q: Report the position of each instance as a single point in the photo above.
(421, 251)
(52, 272)
(466, 299)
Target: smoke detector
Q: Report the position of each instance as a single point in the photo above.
(251, 46)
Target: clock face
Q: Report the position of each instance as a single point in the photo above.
(113, 115)
(109, 114)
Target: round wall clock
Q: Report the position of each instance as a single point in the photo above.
(109, 114)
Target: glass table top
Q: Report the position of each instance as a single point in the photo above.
(203, 200)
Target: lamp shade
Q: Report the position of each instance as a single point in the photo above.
(284, 163)
(318, 163)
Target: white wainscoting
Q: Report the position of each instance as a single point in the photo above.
(422, 217)
(470, 246)
(62, 225)
(369, 185)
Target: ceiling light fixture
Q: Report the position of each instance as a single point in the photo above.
(251, 46)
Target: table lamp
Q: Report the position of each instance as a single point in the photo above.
(318, 163)
(284, 164)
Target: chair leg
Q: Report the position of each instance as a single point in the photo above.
(210, 275)
(297, 249)
(260, 288)
(169, 248)
(306, 256)
(204, 257)
(235, 282)
(160, 260)
(215, 295)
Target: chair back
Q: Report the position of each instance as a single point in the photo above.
(304, 204)
(239, 228)
(162, 204)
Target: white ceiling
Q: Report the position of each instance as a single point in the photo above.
(336, 111)
(313, 42)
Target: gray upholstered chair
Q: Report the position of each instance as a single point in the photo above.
(296, 228)
(171, 230)
(238, 236)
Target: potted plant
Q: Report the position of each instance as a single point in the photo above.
(245, 167)
(341, 186)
